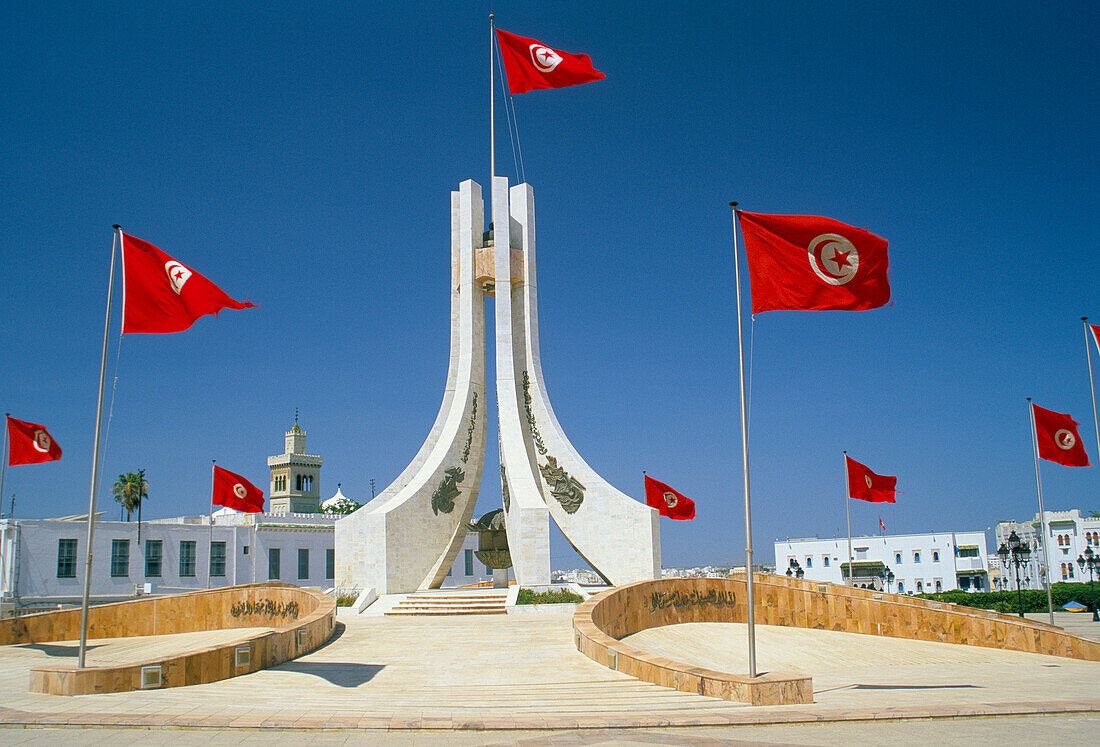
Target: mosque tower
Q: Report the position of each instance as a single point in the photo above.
(295, 476)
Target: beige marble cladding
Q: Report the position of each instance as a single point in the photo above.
(617, 535)
(297, 621)
(409, 535)
(602, 621)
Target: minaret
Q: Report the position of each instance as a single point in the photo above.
(295, 476)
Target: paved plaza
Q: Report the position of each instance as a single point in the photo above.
(522, 673)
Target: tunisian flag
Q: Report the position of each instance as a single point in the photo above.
(163, 295)
(1095, 335)
(1058, 439)
(867, 486)
(29, 443)
(233, 491)
(668, 502)
(807, 262)
(530, 64)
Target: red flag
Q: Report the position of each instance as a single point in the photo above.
(867, 486)
(233, 491)
(882, 523)
(29, 443)
(530, 64)
(668, 502)
(807, 262)
(1058, 439)
(163, 295)
(1095, 335)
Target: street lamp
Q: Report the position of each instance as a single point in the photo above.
(1091, 561)
(795, 570)
(1020, 553)
(887, 577)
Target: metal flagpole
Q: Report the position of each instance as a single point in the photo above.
(1042, 514)
(750, 615)
(492, 101)
(95, 456)
(848, 511)
(210, 551)
(1092, 385)
(4, 462)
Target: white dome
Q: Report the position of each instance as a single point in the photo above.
(335, 499)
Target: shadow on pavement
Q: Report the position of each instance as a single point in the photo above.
(338, 673)
(910, 687)
(57, 649)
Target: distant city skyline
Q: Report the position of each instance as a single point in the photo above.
(302, 159)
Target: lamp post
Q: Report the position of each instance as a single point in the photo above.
(1091, 561)
(795, 570)
(1020, 553)
(887, 577)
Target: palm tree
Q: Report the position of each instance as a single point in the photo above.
(130, 490)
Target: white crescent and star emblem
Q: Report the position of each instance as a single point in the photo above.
(42, 441)
(867, 479)
(670, 499)
(1065, 439)
(177, 275)
(240, 491)
(833, 258)
(544, 58)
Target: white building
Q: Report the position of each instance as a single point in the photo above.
(1068, 534)
(921, 563)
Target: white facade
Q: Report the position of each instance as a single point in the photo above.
(1068, 534)
(42, 560)
(921, 563)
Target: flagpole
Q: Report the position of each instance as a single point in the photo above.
(848, 512)
(1092, 385)
(4, 462)
(492, 101)
(95, 457)
(210, 550)
(1042, 514)
(750, 615)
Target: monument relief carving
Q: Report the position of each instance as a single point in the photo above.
(443, 499)
(567, 490)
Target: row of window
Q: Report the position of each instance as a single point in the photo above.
(861, 553)
(154, 559)
(1091, 538)
(1067, 571)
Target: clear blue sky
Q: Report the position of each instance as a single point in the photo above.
(302, 156)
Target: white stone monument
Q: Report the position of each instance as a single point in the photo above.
(407, 537)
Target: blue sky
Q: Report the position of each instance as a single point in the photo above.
(302, 157)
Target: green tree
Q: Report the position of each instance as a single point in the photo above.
(130, 490)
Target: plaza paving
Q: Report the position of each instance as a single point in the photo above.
(522, 672)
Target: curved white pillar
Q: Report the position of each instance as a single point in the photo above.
(407, 537)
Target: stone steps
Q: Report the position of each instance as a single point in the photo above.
(450, 603)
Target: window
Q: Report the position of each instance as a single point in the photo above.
(916, 557)
(154, 552)
(120, 558)
(897, 558)
(303, 563)
(488, 571)
(245, 550)
(825, 561)
(901, 587)
(307, 483)
(861, 553)
(1070, 566)
(468, 556)
(970, 551)
(920, 587)
(66, 558)
(217, 559)
(298, 482)
(279, 484)
(1064, 572)
(809, 562)
(273, 564)
(935, 556)
(187, 558)
(939, 585)
(964, 583)
(330, 563)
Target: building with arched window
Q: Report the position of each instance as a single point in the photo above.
(295, 476)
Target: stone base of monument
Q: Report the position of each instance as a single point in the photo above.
(600, 624)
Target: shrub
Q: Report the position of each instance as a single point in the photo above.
(346, 600)
(562, 596)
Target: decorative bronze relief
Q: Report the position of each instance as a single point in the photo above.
(443, 499)
(504, 488)
(470, 430)
(531, 417)
(661, 599)
(567, 490)
(265, 607)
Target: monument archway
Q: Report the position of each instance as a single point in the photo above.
(407, 537)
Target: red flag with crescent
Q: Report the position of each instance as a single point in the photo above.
(668, 502)
(812, 263)
(233, 491)
(1058, 439)
(30, 443)
(161, 294)
(530, 64)
(867, 486)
